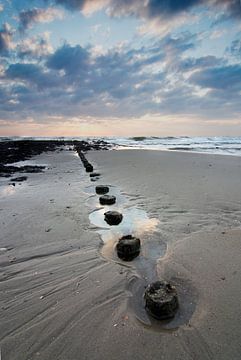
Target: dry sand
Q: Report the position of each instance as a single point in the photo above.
(61, 299)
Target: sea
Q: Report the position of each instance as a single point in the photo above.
(223, 145)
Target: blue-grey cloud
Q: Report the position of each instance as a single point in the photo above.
(157, 7)
(154, 8)
(5, 38)
(75, 81)
(32, 74)
(70, 59)
(74, 76)
(36, 47)
(223, 78)
(235, 48)
(30, 16)
(203, 62)
(72, 4)
(232, 7)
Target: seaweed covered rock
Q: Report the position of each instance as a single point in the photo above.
(113, 217)
(102, 189)
(161, 300)
(107, 199)
(19, 179)
(128, 247)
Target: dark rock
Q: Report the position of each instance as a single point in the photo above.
(128, 247)
(19, 179)
(8, 170)
(19, 150)
(94, 174)
(32, 169)
(107, 200)
(91, 145)
(102, 189)
(161, 300)
(113, 217)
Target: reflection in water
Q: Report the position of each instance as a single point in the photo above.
(135, 222)
(26, 163)
(8, 190)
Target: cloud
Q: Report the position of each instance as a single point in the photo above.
(29, 17)
(235, 48)
(225, 78)
(87, 6)
(32, 75)
(150, 9)
(159, 77)
(230, 7)
(146, 9)
(76, 80)
(190, 64)
(35, 47)
(72, 4)
(6, 35)
(69, 59)
(173, 7)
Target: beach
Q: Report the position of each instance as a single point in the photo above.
(66, 296)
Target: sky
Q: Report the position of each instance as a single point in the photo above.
(120, 67)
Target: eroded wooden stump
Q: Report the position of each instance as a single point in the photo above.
(128, 247)
(89, 167)
(107, 199)
(113, 217)
(102, 189)
(161, 300)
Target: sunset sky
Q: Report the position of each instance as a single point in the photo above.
(120, 67)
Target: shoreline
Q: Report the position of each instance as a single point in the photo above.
(63, 300)
(227, 145)
(177, 151)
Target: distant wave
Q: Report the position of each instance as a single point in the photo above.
(165, 137)
(180, 148)
(143, 138)
(138, 138)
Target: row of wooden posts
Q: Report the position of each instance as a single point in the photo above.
(161, 300)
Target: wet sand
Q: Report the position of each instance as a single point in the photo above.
(65, 296)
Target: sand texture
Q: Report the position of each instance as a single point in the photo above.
(65, 297)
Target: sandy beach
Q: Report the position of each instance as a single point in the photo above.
(66, 296)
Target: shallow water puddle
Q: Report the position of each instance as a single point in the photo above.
(135, 221)
(93, 200)
(8, 190)
(143, 268)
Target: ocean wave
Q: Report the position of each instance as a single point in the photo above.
(139, 138)
(213, 145)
